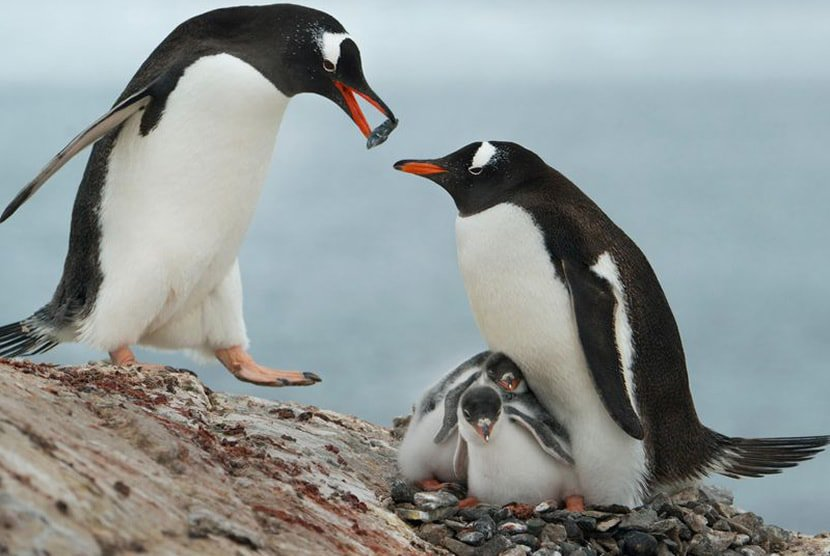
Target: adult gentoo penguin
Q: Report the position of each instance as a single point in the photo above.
(172, 182)
(511, 450)
(558, 287)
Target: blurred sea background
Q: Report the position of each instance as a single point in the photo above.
(702, 128)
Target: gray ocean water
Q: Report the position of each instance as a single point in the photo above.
(702, 129)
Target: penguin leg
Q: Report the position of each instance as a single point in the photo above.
(469, 502)
(243, 367)
(124, 357)
(575, 503)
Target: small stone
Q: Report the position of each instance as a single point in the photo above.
(535, 525)
(494, 546)
(725, 510)
(434, 500)
(401, 491)
(554, 533)
(613, 509)
(717, 494)
(573, 531)
(689, 494)
(121, 488)
(741, 540)
(582, 551)
(547, 552)
(472, 514)
(512, 527)
(455, 525)
(525, 539)
(664, 550)
(471, 537)
(569, 548)
(545, 506)
(700, 545)
(721, 525)
(639, 520)
(669, 526)
(515, 551)
(501, 514)
(658, 500)
(696, 523)
(587, 524)
(458, 547)
(434, 533)
(486, 526)
(608, 524)
(637, 543)
(751, 550)
(721, 540)
(414, 514)
(778, 538)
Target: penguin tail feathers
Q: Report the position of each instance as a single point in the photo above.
(756, 457)
(27, 337)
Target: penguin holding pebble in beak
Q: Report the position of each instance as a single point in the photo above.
(174, 177)
(558, 287)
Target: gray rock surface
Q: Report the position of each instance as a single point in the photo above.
(97, 460)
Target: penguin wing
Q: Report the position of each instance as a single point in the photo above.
(459, 460)
(594, 304)
(451, 408)
(548, 438)
(100, 127)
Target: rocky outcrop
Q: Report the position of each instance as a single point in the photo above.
(101, 460)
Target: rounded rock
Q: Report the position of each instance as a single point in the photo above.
(637, 543)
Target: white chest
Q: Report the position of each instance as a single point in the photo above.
(189, 188)
(520, 304)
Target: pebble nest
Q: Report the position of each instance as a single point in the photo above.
(699, 521)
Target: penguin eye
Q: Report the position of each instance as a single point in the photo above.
(329, 66)
(475, 170)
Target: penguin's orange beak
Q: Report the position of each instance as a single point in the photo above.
(419, 168)
(378, 135)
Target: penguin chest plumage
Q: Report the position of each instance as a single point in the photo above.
(524, 309)
(177, 201)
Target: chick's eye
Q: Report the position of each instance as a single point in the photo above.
(475, 170)
(328, 65)
(466, 414)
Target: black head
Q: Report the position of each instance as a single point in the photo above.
(480, 175)
(480, 406)
(504, 372)
(300, 50)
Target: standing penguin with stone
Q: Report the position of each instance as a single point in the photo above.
(565, 293)
(173, 180)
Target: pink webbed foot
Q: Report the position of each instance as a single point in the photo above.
(243, 367)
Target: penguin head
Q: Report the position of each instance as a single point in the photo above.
(504, 372)
(480, 408)
(322, 58)
(480, 175)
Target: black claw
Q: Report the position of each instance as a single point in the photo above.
(312, 376)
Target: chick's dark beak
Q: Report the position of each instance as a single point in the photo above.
(483, 429)
(510, 384)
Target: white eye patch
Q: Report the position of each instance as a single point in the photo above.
(330, 46)
(483, 156)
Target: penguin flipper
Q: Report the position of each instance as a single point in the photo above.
(451, 400)
(460, 459)
(594, 304)
(100, 127)
(547, 437)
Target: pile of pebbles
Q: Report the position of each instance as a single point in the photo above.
(700, 521)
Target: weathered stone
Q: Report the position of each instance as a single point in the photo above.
(640, 520)
(751, 550)
(472, 537)
(414, 514)
(520, 550)
(637, 543)
(700, 545)
(721, 540)
(553, 532)
(458, 547)
(472, 514)
(401, 491)
(721, 525)
(741, 539)
(502, 514)
(485, 525)
(777, 537)
(714, 493)
(433, 500)
(512, 527)
(686, 495)
(696, 522)
(608, 524)
(525, 539)
(547, 552)
(434, 533)
(573, 530)
(535, 525)
(494, 547)
(587, 524)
